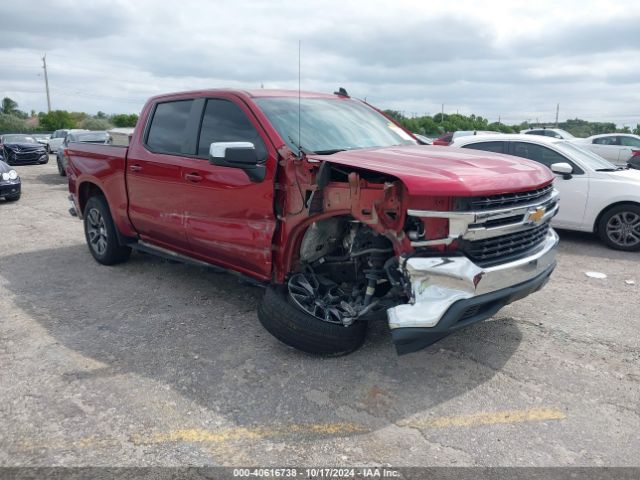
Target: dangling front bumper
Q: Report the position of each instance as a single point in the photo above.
(449, 293)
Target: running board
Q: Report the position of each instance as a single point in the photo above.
(167, 254)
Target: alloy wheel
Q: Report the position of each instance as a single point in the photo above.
(623, 229)
(97, 231)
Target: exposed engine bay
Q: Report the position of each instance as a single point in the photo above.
(347, 272)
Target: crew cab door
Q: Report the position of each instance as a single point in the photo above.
(155, 181)
(574, 191)
(229, 218)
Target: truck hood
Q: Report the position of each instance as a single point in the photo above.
(447, 171)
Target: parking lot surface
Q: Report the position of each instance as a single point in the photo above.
(158, 363)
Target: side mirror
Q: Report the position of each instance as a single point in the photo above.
(563, 169)
(240, 155)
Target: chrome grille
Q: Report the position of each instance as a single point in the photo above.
(495, 250)
(505, 200)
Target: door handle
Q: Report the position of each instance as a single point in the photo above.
(193, 177)
(135, 168)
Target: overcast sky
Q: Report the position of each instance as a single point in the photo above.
(514, 59)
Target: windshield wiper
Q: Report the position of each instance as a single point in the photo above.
(606, 169)
(329, 152)
(300, 148)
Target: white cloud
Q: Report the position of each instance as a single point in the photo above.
(513, 59)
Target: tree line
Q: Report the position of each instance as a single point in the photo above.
(12, 119)
(437, 125)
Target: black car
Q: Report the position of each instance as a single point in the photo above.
(9, 182)
(18, 149)
(95, 136)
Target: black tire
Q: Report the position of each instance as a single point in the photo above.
(12, 198)
(45, 162)
(623, 218)
(300, 330)
(60, 169)
(100, 233)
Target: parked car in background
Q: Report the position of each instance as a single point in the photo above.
(96, 136)
(422, 140)
(450, 137)
(10, 185)
(19, 149)
(444, 140)
(42, 138)
(618, 148)
(350, 219)
(57, 138)
(596, 195)
(120, 136)
(548, 132)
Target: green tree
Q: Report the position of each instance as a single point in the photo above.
(124, 120)
(9, 106)
(95, 124)
(56, 120)
(11, 123)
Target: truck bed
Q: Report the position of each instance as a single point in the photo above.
(105, 165)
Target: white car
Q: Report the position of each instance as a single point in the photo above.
(548, 132)
(618, 148)
(595, 195)
(57, 138)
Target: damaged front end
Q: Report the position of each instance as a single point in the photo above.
(355, 249)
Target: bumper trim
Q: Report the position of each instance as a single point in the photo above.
(412, 339)
(438, 283)
(11, 188)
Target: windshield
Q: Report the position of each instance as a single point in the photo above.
(330, 125)
(18, 139)
(588, 158)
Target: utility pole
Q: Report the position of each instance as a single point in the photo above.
(498, 119)
(557, 112)
(442, 114)
(46, 82)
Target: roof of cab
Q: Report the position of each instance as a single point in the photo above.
(256, 93)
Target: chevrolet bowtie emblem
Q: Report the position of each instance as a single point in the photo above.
(536, 215)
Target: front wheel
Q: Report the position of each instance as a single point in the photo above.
(619, 227)
(12, 198)
(281, 316)
(100, 232)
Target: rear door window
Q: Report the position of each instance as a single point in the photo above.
(629, 141)
(168, 129)
(497, 147)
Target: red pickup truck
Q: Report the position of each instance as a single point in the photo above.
(327, 203)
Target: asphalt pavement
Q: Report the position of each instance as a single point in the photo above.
(158, 363)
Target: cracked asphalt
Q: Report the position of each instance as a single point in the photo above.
(158, 363)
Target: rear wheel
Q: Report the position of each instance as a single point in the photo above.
(100, 232)
(619, 227)
(60, 169)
